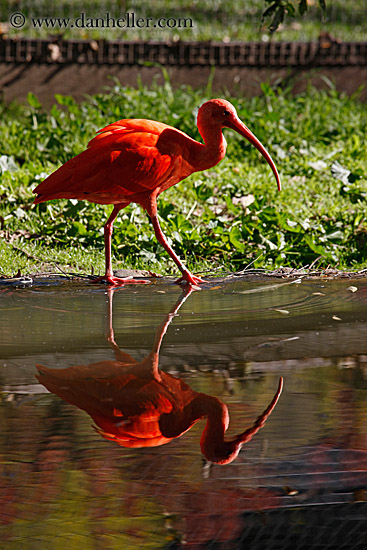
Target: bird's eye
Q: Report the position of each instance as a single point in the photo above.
(226, 112)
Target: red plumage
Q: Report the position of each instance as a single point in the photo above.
(136, 404)
(134, 160)
(121, 161)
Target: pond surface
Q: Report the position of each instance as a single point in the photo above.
(80, 470)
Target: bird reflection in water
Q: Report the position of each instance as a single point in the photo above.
(136, 404)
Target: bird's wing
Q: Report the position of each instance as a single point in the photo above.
(129, 126)
(122, 160)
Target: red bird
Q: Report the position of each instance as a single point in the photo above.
(134, 160)
(136, 404)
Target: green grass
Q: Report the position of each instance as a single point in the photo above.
(211, 19)
(319, 215)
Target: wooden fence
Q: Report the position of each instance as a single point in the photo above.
(324, 52)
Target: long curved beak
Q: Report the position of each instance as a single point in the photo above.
(246, 436)
(242, 129)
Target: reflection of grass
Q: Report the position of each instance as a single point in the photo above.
(212, 19)
(318, 214)
(72, 511)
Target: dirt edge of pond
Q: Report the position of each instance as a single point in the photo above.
(259, 275)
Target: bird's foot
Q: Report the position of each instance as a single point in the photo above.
(189, 278)
(120, 281)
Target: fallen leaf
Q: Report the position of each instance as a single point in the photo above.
(269, 287)
(290, 492)
(94, 45)
(352, 288)
(318, 165)
(7, 164)
(55, 51)
(245, 201)
(339, 172)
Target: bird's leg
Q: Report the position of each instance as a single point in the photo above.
(108, 228)
(186, 275)
(109, 277)
(124, 358)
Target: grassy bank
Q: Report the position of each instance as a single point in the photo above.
(183, 20)
(229, 215)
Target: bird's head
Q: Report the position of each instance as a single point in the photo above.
(216, 449)
(223, 453)
(222, 113)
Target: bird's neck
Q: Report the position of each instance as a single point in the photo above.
(214, 148)
(217, 417)
(213, 445)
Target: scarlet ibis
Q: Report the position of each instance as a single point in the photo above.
(138, 405)
(134, 160)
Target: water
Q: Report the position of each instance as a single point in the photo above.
(301, 482)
